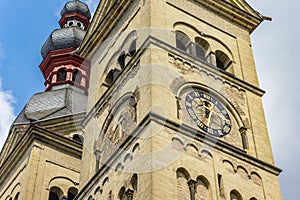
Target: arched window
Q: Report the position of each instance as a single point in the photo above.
(253, 198)
(122, 195)
(134, 182)
(72, 192)
(111, 76)
(222, 60)
(202, 47)
(77, 76)
(235, 195)
(61, 75)
(202, 189)
(183, 42)
(17, 196)
(121, 60)
(182, 185)
(55, 193)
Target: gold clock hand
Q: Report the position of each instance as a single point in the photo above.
(210, 115)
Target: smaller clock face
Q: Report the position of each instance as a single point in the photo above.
(208, 113)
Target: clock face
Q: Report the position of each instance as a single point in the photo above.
(208, 113)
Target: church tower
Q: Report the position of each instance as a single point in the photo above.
(174, 108)
(42, 154)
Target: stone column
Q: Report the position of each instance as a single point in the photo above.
(243, 132)
(192, 187)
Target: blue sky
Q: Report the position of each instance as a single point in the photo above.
(25, 25)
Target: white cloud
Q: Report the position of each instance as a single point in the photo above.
(6, 113)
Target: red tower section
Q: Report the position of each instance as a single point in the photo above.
(61, 65)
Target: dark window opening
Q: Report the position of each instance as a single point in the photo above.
(72, 193)
(200, 53)
(222, 60)
(77, 76)
(55, 193)
(132, 48)
(121, 60)
(183, 42)
(53, 196)
(78, 138)
(61, 75)
(71, 196)
(202, 47)
(220, 63)
(112, 76)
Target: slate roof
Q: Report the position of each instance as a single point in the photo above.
(63, 38)
(52, 105)
(76, 6)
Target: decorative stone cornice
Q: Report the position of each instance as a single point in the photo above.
(232, 13)
(35, 137)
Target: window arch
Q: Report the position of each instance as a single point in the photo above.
(235, 195)
(111, 76)
(202, 189)
(72, 192)
(253, 198)
(202, 47)
(55, 193)
(61, 74)
(222, 60)
(183, 42)
(77, 76)
(182, 185)
(117, 126)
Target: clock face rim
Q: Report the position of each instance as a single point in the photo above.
(215, 104)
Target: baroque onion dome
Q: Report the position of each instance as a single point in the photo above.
(61, 65)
